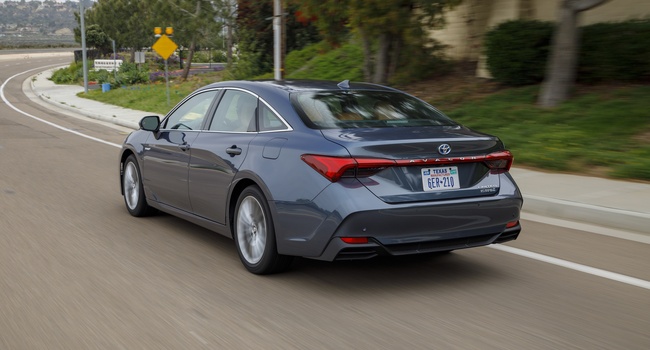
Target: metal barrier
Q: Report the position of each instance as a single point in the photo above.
(108, 65)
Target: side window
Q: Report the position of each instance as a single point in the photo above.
(268, 120)
(236, 112)
(191, 114)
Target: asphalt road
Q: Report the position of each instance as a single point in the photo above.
(77, 272)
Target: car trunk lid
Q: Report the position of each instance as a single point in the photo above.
(425, 163)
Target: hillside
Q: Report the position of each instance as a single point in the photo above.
(37, 23)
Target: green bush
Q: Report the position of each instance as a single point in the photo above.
(101, 76)
(130, 74)
(68, 75)
(209, 56)
(297, 59)
(517, 51)
(615, 52)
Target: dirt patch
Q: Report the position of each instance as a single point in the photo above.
(643, 137)
(450, 90)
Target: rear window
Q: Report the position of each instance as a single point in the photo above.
(365, 109)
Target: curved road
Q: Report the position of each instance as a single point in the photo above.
(77, 272)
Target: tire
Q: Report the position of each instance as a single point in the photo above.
(254, 234)
(134, 198)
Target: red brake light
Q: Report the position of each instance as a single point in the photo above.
(370, 166)
(499, 162)
(333, 168)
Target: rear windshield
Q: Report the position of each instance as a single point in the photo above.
(365, 109)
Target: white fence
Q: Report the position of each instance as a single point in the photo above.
(109, 65)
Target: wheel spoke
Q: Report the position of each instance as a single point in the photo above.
(245, 215)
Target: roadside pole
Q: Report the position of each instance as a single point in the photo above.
(277, 36)
(165, 46)
(114, 61)
(167, 79)
(83, 46)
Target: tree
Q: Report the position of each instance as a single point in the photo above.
(128, 22)
(193, 19)
(131, 22)
(255, 34)
(561, 67)
(387, 28)
(95, 37)
(228, 15)
(330, 17)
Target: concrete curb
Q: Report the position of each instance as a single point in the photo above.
(63, 105)
(588, 213)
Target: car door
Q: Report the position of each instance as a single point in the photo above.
(167, 155)
(219, 151)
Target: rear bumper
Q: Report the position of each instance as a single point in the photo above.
(313, 229)
(433, 233)
(338, 250)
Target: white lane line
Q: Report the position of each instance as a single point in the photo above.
(605, 231)
(199, 338)
(573, 266)
(2, 95)
(555, 261)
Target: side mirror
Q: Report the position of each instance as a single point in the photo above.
(150, 123)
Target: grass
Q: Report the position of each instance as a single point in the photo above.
(152, 97)
(604, 132)
(340, 64)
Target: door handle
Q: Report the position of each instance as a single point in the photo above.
(184, 147)
(233, 151)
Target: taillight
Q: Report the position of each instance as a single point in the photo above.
(499, 162)
(334, 168)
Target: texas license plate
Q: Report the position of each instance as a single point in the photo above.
(443, 178)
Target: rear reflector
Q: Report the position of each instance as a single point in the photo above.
(355, 240)
(512, 224)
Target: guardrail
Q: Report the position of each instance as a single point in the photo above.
(108, 65)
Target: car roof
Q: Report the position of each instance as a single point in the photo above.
(277, 93)
(298, 85)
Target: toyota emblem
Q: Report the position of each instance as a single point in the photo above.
(444, 149)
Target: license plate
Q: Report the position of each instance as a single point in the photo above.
(437, 179)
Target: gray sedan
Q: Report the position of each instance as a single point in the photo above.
(321, 170)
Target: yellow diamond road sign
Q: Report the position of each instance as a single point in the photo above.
(164, 46)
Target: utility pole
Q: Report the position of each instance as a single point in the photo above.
(83, 45)
(114, 61)
(277, 39)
